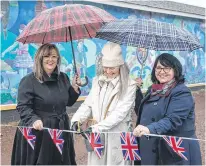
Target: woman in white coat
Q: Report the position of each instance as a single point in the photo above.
(110, 104)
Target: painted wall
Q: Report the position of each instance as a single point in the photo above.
(17, 59)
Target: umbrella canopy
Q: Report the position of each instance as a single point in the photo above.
(149, 34)
(59, 23)
(65, 23)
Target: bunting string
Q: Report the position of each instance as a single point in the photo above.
(112, 132)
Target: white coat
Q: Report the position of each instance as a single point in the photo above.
(118, 117)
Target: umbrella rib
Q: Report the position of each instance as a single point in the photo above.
(44, 38)
(66, 34)
(87, 30)
(96, 14)
(25, 40)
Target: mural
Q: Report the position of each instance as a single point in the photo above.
(17, 59)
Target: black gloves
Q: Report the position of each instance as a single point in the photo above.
(88, 130)
(75, 126)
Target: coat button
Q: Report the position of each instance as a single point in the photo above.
(153, 119)
(155, 103)
(154, 150)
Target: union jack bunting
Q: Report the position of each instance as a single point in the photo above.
(27, 133)
(95, 142)
(176, 143)
(130, 147)
(56, 136)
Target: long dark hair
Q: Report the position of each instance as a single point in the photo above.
(169, 60)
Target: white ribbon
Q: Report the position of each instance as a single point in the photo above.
(113, 132)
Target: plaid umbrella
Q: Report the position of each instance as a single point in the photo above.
(56, 24)
(65, 23)
(149, 34)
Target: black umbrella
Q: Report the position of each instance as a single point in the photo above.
(149, 34)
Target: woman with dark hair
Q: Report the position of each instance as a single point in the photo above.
(167, 109)
(42, 99)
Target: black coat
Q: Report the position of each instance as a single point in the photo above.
(168, 115)
(46, 101)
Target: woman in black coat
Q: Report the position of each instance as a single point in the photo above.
(42, 99)
(167, 109)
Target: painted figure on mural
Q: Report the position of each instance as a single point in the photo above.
(131, 58)
(167, 109)
(194, 66)
(8, 89)
(65, 66)
(4, 84)
(81, 59)
(5, 17)
(42, 99)
(5, 71)
(23, 60)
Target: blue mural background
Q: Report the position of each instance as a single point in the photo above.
(16, 14)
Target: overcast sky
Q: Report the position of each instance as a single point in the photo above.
(201, 3)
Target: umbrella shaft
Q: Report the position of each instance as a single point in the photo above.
(70, 34)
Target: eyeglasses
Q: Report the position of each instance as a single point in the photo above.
(165, 69)
(52, 57)
(110, 68)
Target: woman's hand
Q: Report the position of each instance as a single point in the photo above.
(75, 126)
(38, 125)
(139, 82)
(75, 82)
(140, 130)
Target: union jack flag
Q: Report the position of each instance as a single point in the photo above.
(27, 133)
(95, 142)
(57, 138)
(176, 143)
(130, 147)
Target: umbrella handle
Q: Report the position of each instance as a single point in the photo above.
(143, 64)
(84, 84)
(141, 71)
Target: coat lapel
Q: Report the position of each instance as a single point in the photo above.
(147, 98)
(114, 89)
(110, 100)
(114, 92)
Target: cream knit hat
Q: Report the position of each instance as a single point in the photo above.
(112, 55)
